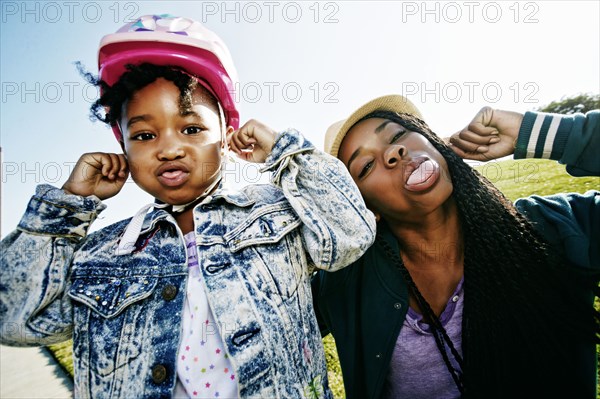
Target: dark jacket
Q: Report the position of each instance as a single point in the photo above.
(365, 304)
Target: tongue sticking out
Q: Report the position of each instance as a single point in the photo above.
(423, 177)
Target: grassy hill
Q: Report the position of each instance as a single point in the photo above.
(526, 177)
(514, 178)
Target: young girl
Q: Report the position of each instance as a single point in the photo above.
(207, 295)
(463, 294)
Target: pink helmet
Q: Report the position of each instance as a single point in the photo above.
(168, 40)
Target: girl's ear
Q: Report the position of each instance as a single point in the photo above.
(228, 132)
(225, 140)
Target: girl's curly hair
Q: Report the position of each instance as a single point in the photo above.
(527, 321)
(109, 106)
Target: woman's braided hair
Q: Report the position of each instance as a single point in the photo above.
(527, 318)
(442, 339)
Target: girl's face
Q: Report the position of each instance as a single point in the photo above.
(399, 172)
(173, 154)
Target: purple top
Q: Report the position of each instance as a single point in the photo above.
(417, 369)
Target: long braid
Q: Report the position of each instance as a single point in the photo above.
(439, 332)
(525, 315)
(526, 276)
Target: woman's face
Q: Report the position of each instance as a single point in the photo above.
(399, 172)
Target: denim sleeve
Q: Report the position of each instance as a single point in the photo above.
(34, 308)
(337, 227)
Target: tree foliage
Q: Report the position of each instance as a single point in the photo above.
(577, 103)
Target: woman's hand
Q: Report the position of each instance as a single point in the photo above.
(99, 174)
(252, 142)
(491, 134)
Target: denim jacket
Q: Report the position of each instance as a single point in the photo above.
(256, 251)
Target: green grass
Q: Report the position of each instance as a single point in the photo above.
(63, 353)
(525, 177)
(515, 179)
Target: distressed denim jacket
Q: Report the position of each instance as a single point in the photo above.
(256, 251)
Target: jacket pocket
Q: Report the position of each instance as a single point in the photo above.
(272, 245)
(111, 324)
(109, 296)
(267, 227)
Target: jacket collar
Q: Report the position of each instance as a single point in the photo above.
(224, 193)
(388, 274)
(143, 222)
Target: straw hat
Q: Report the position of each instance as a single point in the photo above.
(395, 103)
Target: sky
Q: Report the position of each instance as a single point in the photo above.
(301, 64)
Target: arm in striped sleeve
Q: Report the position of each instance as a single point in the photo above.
(573, 140)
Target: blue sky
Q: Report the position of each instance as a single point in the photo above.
(301, 64)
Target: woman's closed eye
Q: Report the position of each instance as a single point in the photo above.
(396, 136)
(365, 169)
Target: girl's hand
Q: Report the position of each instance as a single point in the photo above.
(99, 174)
(491, 134)
(252, 142)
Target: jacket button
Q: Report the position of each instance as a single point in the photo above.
(159, 373)
(398, 306)
(74, 221)
(169, 292)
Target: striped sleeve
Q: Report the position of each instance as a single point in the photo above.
(543, 135)
(573, 140)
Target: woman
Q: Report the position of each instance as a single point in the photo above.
(464, 294)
